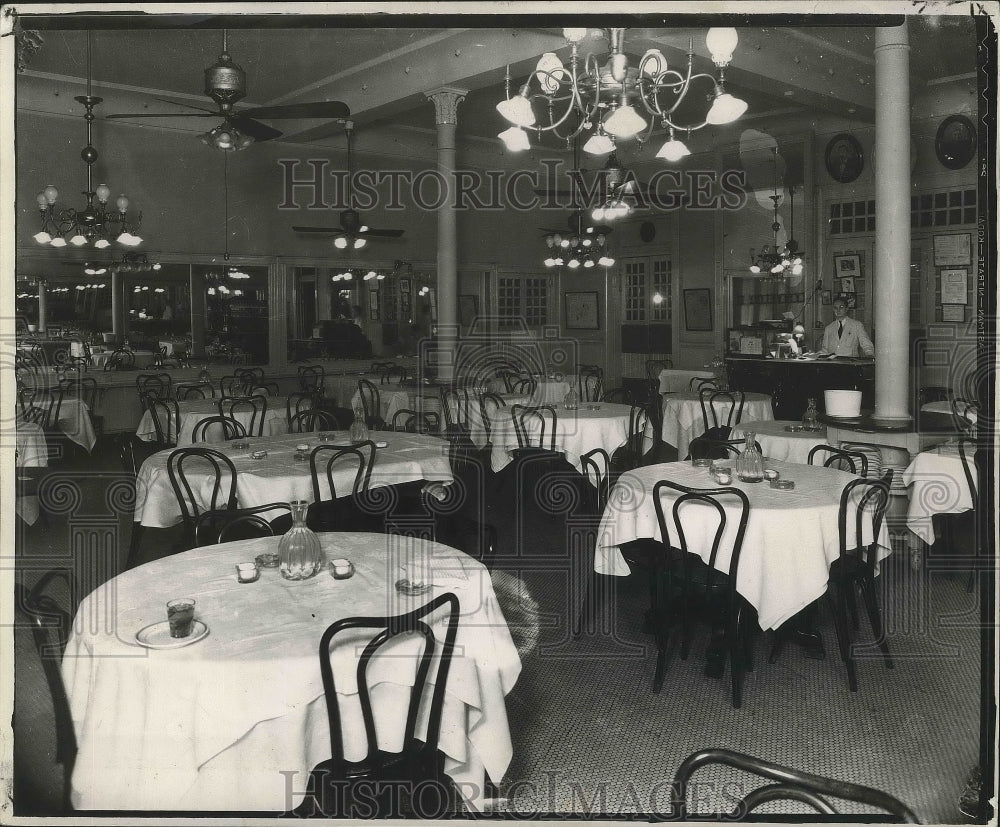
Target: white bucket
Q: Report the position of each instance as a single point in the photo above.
(843, 403)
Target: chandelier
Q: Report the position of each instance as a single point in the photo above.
(608, 98)
(772, 260)
(94, 224)
(580, 247)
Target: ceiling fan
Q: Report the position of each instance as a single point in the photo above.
(352, 233)
(226, 84)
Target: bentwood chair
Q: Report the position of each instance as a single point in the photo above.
(591, 384)
(855, 568)
(371, 787)
(630, 455)
(311, 378)
(224, 526)
(50, 627)
(786, 784)
(524, 387)
(341, 510)
(700, 383)
(371, 403)
(853, 461)
(221, 472)
(228, 427)
(596, 467)
(185, 391)
(255, 405)
(717, 427)
(166, 418)
(656, 366)
(410, 421)
(547, 419)
(299, 401)
(489, 407)
(120, 359)
(395, 375)
(692, 580)
(313, 419)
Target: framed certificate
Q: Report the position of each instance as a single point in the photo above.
(954, 287)
(952, 250)
(953, 313)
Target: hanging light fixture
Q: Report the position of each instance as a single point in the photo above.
(615, 99)
(95, 224)
(772, 261)
(582, 246)
(133, 263)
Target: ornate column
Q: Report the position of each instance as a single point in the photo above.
(892, 223)
(446, 100)
(42, 305)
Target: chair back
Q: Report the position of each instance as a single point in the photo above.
(191, 460)
(50, 627)
(863, 498)
(166, 418)
(230, 428)
(311, 378)
(230, 386)
(255, 405)
(455, 404)
(416, 422)
(872, 453)
(380, 368)
(225, 526)
(853, 461)
(789, 784)
(545, 415)
(654, 367)
(45, 407)
(325, 457)
(591, 385)
(489, 407)
(120, 359)
(371, 402)
(715, 426)
(968, 464)
(700, 383)
(683, 524)
(596, 467)
(415, 623)
(202, 390)
(525, 387)
(704, 447)
(90, 394)
(312, 419)
(299, 401)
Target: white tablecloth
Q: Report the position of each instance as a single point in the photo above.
(393, 398)
(549, 390)
(192, 411)
(577, 432)
(791, 539)
(674, 381)
(281, 478)
(217, 725)
(939, 487)
(74, 421)
(777, 443)
(682, 419)
(31, 453)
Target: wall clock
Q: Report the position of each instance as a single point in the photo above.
(844, 158)
(955, 144)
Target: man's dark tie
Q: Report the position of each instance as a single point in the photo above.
(840, 331)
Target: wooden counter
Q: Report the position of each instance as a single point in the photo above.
(791, 382)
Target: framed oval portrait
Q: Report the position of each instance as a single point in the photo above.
(845, 159)
(955, 143)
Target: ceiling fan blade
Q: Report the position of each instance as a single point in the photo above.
(326, 230)
(383, 233)
(255, 129)
(316, 109)
(163, 115)
(188, 105)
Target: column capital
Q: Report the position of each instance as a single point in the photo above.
(446, 100)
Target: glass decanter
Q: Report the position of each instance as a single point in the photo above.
(300, 554)
(571, 400)
(750, 463)
(359, 428)
(809, 417)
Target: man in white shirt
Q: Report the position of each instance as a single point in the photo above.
(845, 336)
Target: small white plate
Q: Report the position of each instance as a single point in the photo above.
(381, 444)
(157, 635)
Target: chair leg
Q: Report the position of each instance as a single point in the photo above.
(588, 608)
(852, 604)
(844, 636)
(875, 618)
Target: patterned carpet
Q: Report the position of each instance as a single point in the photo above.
(590, 736)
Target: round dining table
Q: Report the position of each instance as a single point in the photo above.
(590, 425)
(192, 411)
(791, 537)
(236, 720)
(280, 477)
(683, 420)
(938, 485)
(782, 439)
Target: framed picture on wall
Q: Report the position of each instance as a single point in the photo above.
(404, 285)
(847, 285)
(581, 311)
(953, 313)
(952, 250)
(847, 266)
(698, 308)
(826, 296)
(954, 287)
